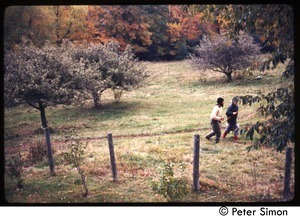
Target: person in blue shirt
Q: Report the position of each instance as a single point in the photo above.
(232, 113)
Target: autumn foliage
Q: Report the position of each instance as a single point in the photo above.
(154, 32)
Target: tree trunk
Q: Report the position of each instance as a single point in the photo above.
(47, 136)
(86, 191)
(229, 77)
(96, 99)
(57, 25)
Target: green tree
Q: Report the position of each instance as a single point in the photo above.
(105, 66)
(157, 18)
(278, 130)
(38, 77)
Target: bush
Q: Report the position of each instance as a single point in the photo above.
(171, 187)
(37, 151)
(13, 168)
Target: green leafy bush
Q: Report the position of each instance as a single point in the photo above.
(173, 188)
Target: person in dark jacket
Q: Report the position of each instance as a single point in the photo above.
(232, 113)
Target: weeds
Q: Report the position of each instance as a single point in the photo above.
(118, 94)
(14, 167)
(37, 151)
(75, 157)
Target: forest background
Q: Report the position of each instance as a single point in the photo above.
(156, 32)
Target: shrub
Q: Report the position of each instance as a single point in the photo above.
(13, 168)
(75, 158)
(37, 151)
(171, 187)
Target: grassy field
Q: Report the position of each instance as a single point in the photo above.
(151, 126)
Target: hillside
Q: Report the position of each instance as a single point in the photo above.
(151, 126)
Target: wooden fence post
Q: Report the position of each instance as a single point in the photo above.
(196, 174)
(112, 156)
(287, 174)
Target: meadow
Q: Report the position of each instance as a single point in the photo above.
(152, 125)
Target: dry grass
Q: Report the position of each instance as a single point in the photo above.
(150, 126)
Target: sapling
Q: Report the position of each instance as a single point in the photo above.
(75, 157)
(173, 188)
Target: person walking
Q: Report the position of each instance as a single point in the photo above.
(232, 113)
(215, 120)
